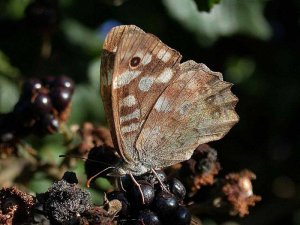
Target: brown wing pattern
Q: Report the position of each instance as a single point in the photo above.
(109, 50)
(196, 108)
(143, 68)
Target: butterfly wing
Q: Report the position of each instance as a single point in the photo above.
(196, 108)
(142, 68)
(108, 55)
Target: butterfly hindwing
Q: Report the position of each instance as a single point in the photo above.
(196, 108)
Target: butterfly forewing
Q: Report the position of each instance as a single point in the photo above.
(143, 68)
(197, 107)
(109, 50)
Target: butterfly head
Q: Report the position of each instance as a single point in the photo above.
(126, 168)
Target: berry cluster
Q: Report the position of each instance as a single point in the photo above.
(151, 199)
(41, 107)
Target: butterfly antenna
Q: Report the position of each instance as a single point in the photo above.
(88, 183)
(85, 159)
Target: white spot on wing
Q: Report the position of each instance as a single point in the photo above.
(164, 55)
(162, 105)
(165, 76)
(129, 128)
(135, 114)
(128, 101)
(125, 78)
(147, 59)
(146, 83)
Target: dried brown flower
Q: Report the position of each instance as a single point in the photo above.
(201, 168)
(237, 188)
(15, 206)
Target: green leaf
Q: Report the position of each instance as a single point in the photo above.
(86, 105)
(239, 70)
(15, 8)
(6, 69)
(225, 19)
(39, 183)
(103, 184)
(95, 195)
(206, 5)
(9, 95)
(80, 35)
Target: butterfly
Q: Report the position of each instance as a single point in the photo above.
(158, 109)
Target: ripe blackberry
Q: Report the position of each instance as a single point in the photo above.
(41, 104)
(177, 188)
(30, 87)
(165, 204)
(99, 158)
(181, 216)
(46, 124)
(61, 98)
(146, 192)
(64, 82)
(147, 217)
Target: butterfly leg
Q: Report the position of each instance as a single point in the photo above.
(121, 184)
(161, 183)
(139, 187)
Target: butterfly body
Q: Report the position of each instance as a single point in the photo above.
(159, 110)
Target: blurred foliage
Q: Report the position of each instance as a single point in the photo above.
(204, 5)
(255, 43)
(225, 19)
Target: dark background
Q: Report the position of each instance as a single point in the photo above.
(261, 56)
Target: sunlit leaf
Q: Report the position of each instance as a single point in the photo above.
(225, 19)
(81, 35)
(9, 95)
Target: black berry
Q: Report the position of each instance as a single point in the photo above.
(146, 190)
(177, 188)
(41, 103)
(61, 98)
(147, 217)
(165, 203)
(182, 216)
(70, 177)
(99, 158)
(47, 124)
(30, 87)
(64, 82)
